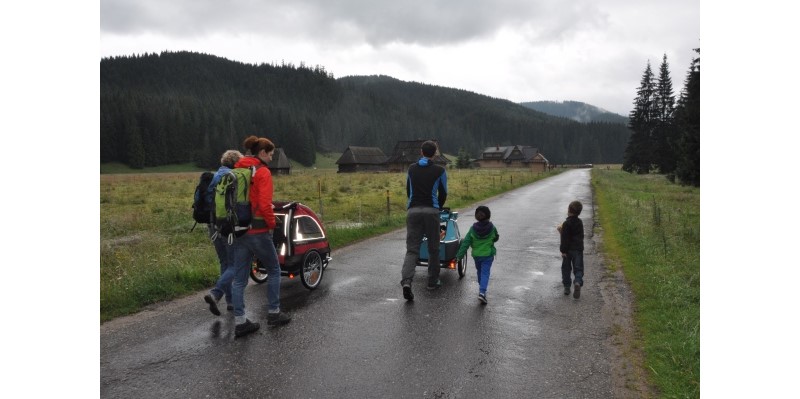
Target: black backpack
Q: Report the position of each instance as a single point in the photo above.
(201, 208)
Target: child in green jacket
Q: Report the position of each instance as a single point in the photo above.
(481, 237)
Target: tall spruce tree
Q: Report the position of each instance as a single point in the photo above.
(463, 159)
(687, 117)
(665, 132)
(639, 152)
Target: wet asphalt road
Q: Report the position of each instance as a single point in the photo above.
(356, 337)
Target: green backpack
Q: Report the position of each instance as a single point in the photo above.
(232, 214)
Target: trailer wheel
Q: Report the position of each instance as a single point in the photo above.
(462, 267)
(257, 273)
(311, 274)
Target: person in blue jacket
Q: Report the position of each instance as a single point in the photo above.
(224, 251)
(426, 187)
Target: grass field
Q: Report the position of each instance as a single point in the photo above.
(148, 253)
(652, 231)
(323, 161)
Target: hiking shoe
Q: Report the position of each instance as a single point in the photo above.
(246, 328)
(277, 319)
(436, 285)
(482, 298)
(566, 290)
(407, 294)
(212, 304)
(577, 293)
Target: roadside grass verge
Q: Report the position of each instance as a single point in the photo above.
(148, 254)
(652, 230)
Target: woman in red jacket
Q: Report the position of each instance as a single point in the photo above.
(258, 240)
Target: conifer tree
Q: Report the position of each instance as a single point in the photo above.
(463, 159)
(639, 152)
(664, 134)
(687, 116)
(133, 144)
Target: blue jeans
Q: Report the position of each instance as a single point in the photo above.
(419, 221)
(235, 279)
(484, 266)
(261, 246)
(572, 263)
(225, 256)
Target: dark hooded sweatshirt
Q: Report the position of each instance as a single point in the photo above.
(571, 235)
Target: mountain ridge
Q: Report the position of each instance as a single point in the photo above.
(576, 110)
(177, 107)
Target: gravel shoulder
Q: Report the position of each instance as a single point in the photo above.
(628, 372)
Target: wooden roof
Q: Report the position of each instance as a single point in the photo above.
(407, 152)
(279, 160)
(524, 153)
(362, 155)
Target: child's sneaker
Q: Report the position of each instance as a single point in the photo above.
(566, 290)
(482, 298)
(577, 293)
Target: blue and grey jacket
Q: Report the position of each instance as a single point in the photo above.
(426, 184)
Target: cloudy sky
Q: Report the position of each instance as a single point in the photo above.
(522, 50)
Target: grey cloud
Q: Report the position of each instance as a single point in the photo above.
(427, 23)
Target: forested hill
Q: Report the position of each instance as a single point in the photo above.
(576, 110)
(178, 107)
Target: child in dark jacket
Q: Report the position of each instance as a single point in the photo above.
(572, 249)
(481, 237)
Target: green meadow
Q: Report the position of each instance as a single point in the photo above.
(651, 229)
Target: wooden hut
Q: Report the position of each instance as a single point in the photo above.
(280, 164)
(407, 152)
(362, 159)
(517, 156)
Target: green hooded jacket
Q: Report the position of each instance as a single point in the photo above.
(481, 237)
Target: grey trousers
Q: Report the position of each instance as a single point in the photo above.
(419, 221)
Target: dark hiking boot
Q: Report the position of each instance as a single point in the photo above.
(435, 285)
(212, 304)
(278, 319)
(246, 328)
(482, 298)
(407, 294)
(577, 293)
(566, 290)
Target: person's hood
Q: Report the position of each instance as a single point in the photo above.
(247, 162)
(482, 228)
(424, 161)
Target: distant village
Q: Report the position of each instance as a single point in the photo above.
(372, 159)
